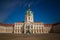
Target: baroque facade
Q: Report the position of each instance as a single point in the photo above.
(26, 27)
(29, 26)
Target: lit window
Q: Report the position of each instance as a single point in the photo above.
(37, 30)
(29, 18)
(31, 26)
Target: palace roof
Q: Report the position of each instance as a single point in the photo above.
(7, 25)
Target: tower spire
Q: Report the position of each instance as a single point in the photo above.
(28, 6)
(29, 15)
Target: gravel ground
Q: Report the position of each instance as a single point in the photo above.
(51, 36)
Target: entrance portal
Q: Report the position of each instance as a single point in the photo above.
(28, 30)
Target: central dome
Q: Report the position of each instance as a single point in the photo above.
(29, 12)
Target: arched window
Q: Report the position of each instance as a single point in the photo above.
(29, 18)
(28, 27)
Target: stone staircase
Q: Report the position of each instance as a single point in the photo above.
(51, 36)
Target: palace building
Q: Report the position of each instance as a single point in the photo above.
(26, 27)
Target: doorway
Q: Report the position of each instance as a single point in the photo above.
(27, 29)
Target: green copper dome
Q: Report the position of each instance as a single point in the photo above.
(29, 12)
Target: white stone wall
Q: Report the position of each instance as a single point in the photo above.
(4, 29)
(38, 28)
(9, 29)
(47, 29)
(18, 28)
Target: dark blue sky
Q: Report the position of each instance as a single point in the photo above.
(47, 11)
